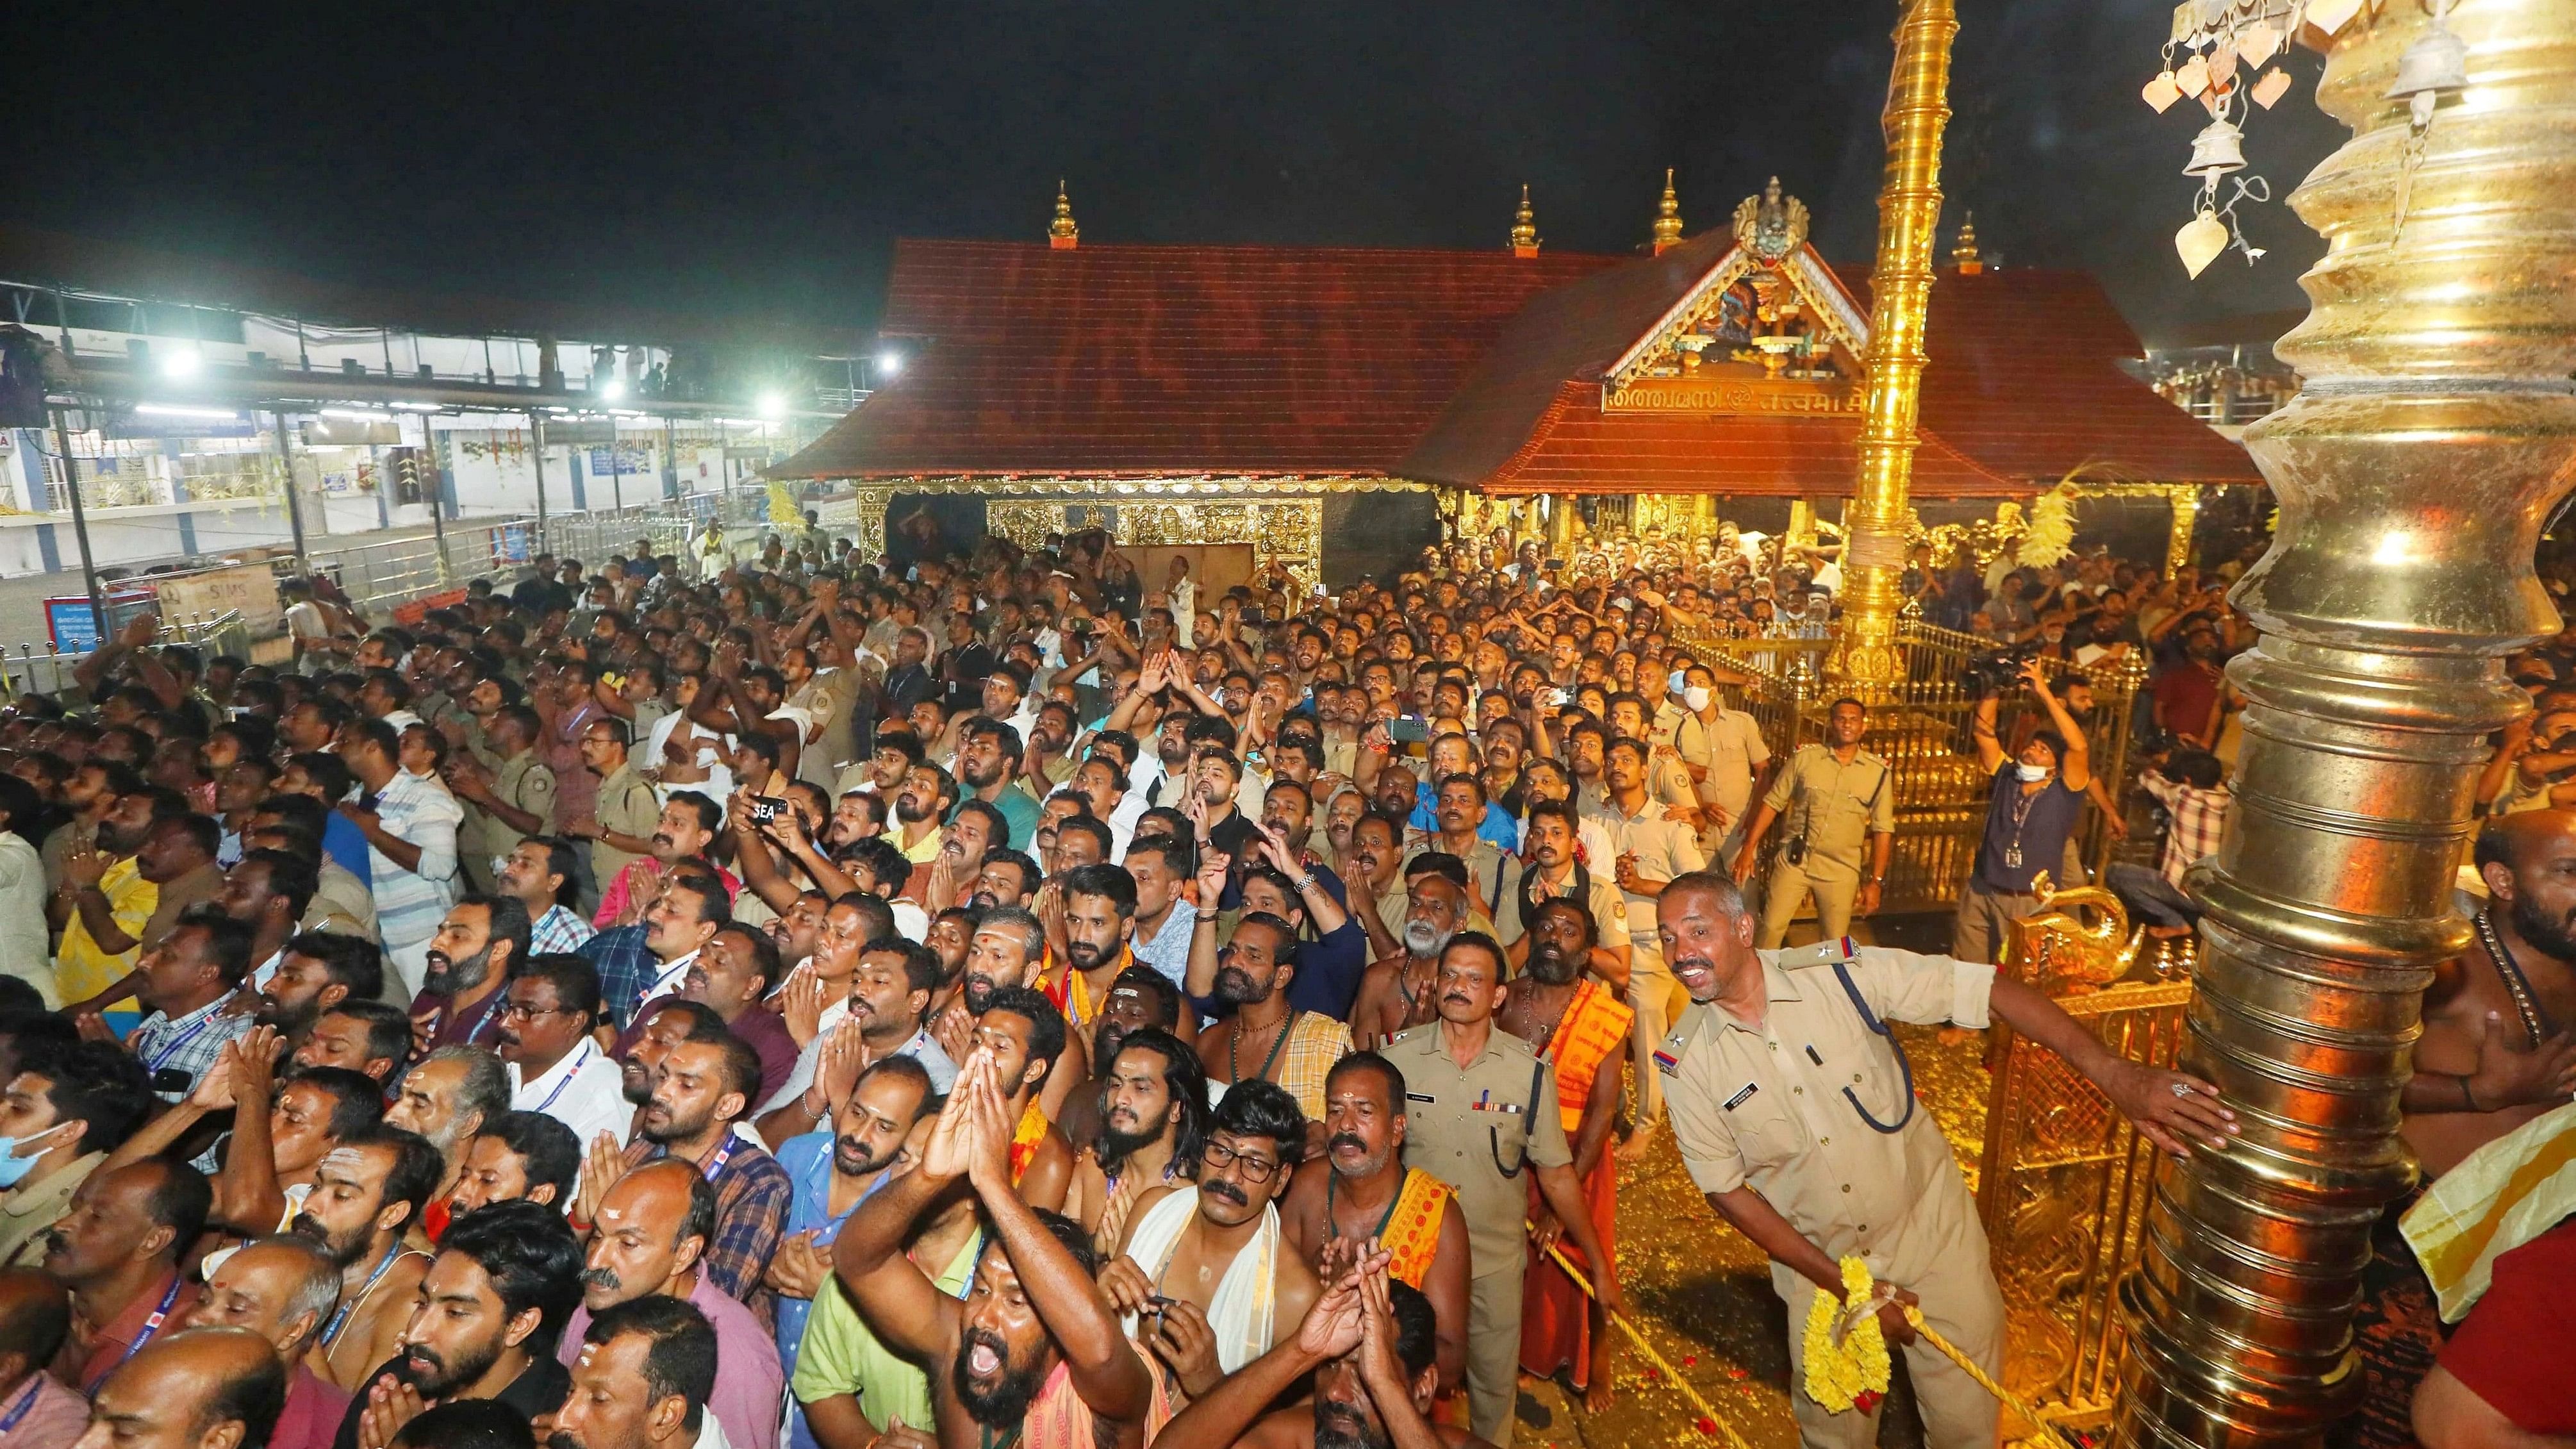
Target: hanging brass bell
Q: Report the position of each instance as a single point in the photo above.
(2438, 61)
(2217, 150)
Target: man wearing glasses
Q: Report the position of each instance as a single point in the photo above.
(1204, 1277)
(1480, 1109)
(556, 1068)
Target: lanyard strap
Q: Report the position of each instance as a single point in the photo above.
(26, 1401)
(722, 1153)
(151, 1326)
(340, 1319)
(162, 1057)
(579, 1061)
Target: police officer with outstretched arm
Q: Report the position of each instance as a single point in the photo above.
(1794, 1110)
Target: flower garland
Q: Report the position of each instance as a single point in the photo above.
(1849, 1370)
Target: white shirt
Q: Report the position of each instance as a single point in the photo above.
(717, 786)
(24, 950)
(668, 982)
(585, 1091)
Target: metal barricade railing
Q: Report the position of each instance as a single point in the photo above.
(42, 669)
(1923, 731)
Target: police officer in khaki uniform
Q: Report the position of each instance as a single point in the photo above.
(1794, 1111)
(505, 804)
(1841, 805)
(1480, 1110)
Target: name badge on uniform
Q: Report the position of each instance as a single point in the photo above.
(1742, 1095)
(1417, 1096)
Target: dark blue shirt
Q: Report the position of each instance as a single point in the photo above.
(2038, 824)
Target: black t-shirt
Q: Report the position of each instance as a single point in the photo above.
(539, 1389)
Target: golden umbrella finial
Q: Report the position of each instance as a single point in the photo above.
(1062, 234)
(1668, 216)
(1525, 227)
(1964, 255)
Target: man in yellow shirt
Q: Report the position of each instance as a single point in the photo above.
(103, 904)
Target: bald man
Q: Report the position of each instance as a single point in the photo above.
(34, 1317)
(286, 1290)
(650, 1236)
(206, 1388)
(2496, 1050)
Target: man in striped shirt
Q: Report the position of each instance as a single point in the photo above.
(410, 823)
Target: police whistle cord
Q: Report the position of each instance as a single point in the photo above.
(1709, 1420)
(1846, 1352)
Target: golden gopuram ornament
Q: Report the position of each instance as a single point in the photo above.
(1865, 656)
(2435, 430)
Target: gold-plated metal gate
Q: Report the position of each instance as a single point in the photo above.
(1922, 730)
(2065, 1181)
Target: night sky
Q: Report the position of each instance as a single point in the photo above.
(763, 156)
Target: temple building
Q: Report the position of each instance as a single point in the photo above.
(1329, 406)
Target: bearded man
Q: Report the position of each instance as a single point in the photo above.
(486, 1318)
(1396, 993)
(468, 962)
(1034, 1349)
(2497, 1050)
(367, 1193)
(1577, 1024)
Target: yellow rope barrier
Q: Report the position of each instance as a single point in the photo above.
(1863, 1298)
(1709, 1419)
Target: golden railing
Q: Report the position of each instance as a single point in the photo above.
(2065, 1181)
(1923, 733)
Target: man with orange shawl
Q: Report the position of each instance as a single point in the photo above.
(1577, 1024)
(1359, 1188)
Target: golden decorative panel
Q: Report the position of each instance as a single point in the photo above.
(2065, 1180)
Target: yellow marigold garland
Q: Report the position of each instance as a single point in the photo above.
(1850, 1371)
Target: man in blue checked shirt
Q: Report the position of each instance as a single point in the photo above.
(185, 982)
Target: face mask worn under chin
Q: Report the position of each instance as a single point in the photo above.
(1696, 696)
(2032, 774)
(18, 1155)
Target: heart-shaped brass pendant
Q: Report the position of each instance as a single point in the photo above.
(2200, 241)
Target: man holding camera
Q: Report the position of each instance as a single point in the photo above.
(2035, 804)
(1840, 805)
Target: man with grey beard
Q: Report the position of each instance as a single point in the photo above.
(1396, 992)
(654, 1224)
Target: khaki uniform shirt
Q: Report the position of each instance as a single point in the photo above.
(1493, 885)
(1665, 849)
(628, 806)
(1730, 749)
(521, 783)
(1834, 807)
(1765, 1106)
(1465, 1127)
(32, 1207)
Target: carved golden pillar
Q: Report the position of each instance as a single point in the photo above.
(1560, 525)
(2435, 431)
(2185, 499)
(1909, 210)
